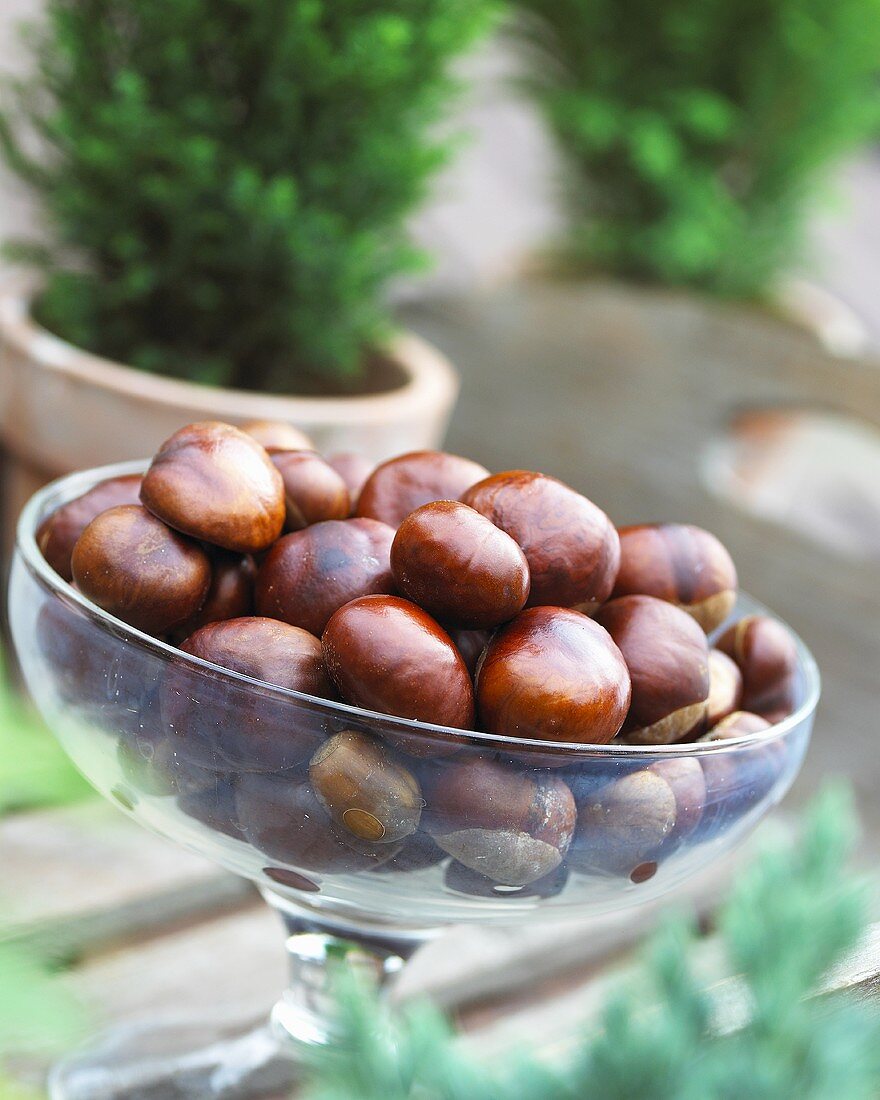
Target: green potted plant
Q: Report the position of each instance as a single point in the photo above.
(225, 188)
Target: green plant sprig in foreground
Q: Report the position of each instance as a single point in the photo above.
(696, 134)
(791, 918)
(227, 181)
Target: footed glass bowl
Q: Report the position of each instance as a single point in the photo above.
(474, 827)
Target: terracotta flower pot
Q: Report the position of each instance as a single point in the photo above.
(62, 409)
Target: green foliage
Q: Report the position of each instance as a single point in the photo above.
(697, 132)
(227, 180)
(791, 918)
(34, 770)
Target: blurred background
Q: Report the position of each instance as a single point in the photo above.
(646, 238)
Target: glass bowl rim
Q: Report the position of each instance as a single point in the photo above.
(83, 480)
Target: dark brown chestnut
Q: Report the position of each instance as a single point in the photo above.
(462, 880)
(386, 654)
(570, 544)
(58, 533)
(687, 782)
(766, 655)
(278, 435)
(132, 565)
(667, 655)
(738, 780)
(681, 564)
(354, 469)
(555, 675)
(459, 566)
(313, 490)
(364, 789)
(217, 484)
(511, 825)
(310, 574)
(400, 485)
(725, 687)
(230, 596)
(624, 823)
(470, 644)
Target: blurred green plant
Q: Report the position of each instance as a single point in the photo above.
(697, 133)
(791, 918)
(227, 181)
(34, 769)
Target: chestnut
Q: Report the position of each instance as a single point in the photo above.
(510, 825)
(386, 654)
(217, 484)
(681, 564)
(313, 490)
(418, 852)
(234, 724)
(667, 655)
(725, 687)
(210, 799)
(570, 544)
(400, 485)
(230, 595)
(766, 655)
(458, 566)
(470, 644)
(130, 564)
(283, 819)
(738, 724)
(624, 823)
(354, 469)
(462, 880)
(278, 435)
(58, 533)
(308, 575)
(738, 780)
(687, 782)
(364, 789)
(555, 675)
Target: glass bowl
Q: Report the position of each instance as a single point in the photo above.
(219, 763)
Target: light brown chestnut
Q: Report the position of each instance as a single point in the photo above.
(458, 566)
(278, 435)
(58, 533)
(571, 545)
(364, 789)
(354, 469)
(511, 825)
(313, 490)
(766, 655)
(386, 654)
(308, 575)
(217, 484)
(400, 485)
(725, 687)
(667, 655)
(555, 675)
(230, 596)
(624, 823)
(132, 565)
(681, 564)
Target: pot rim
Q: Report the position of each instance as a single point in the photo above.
(431, 378)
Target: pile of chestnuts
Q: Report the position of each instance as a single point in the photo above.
(425, 588)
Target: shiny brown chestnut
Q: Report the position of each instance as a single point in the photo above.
(58, 533)
(354, 469)
(386, 654)
(725, 687)
(364, 789)
(555, 675)
(458, 566)
(681, 564)
(132, 565)
(571, 545)
(667, 655)
(310, 574)
(278, 435)
(400, 485)
(511, 825)
(470, 644)
(217, 484)
(313, 490)
(624, 823)
(230, 595)
(766, 655)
